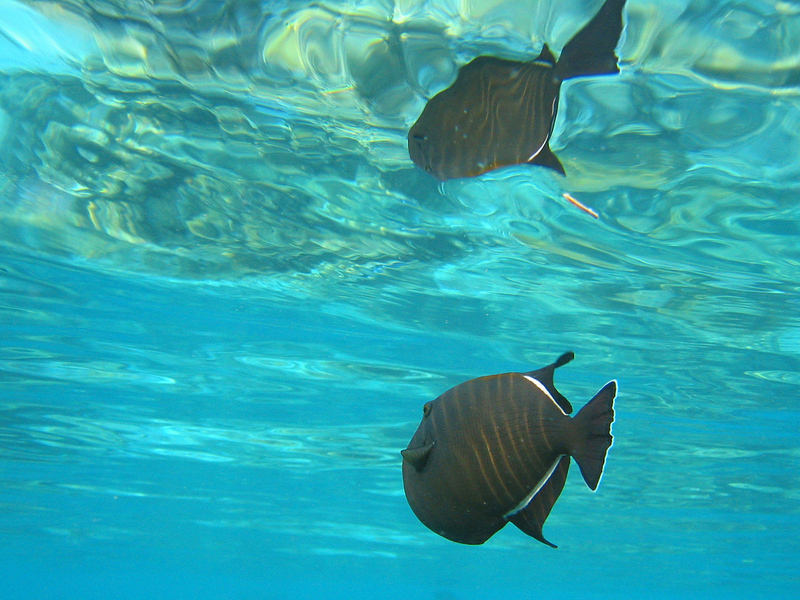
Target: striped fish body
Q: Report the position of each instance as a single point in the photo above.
(501, 112)
(497, 113)
(488, 455)
(496, 449)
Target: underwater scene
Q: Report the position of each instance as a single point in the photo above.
(258, 259)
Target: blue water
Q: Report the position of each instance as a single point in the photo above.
(226, 293)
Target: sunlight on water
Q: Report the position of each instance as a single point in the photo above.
(275, 447)
(226, 291)
(253, 142)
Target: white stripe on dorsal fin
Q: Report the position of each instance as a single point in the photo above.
(536, 488)
(540, 385)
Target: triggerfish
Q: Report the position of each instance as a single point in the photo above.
(497, 449)
(501, 112)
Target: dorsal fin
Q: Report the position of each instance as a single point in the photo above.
(545, 377)
(546, 57)
(546, 158)
(417, 457)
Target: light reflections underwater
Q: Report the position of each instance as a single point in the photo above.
(226, 293)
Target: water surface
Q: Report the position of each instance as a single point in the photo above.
(226, 293)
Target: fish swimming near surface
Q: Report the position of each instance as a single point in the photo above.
(497, 449)
(501, 112)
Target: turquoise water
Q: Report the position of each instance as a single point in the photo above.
(226, 293)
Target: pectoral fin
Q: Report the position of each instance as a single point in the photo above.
(417, 457)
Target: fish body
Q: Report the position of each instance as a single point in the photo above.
(497, 449)
(501, 112)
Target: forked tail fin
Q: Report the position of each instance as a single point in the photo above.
(593, 434)
(591, 51)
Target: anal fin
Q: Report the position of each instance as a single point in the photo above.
(530, 519)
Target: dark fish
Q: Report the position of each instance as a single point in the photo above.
(496, 449)
(501, 112)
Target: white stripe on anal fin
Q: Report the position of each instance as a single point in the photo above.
(547, 138)
(540, 385)
(527, 499)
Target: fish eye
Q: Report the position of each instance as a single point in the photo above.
(426, 410)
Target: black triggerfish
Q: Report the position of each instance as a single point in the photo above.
(501, 112)
(497, 449)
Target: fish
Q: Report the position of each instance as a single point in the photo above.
(497, 449)
(501, 112)
(575, 202)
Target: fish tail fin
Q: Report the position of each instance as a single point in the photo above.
(591, 51)
(593, 427)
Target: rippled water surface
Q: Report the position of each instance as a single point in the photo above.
(226, 293)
